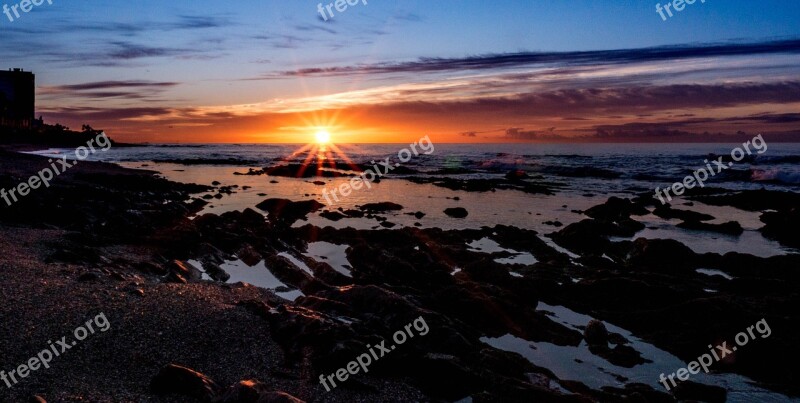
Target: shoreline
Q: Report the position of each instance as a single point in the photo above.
(123, 247)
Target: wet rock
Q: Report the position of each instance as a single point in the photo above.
(457, 212)
(212, 254)
(304, 171)
(615, 209)
(667, 254)
(249, 255)
(287, 211)
(381, 207)
(689, 390)
(591, 236)
(668, 213)
(185, 270)
(308, 334)
(251, 172)
(178, 380)
(729, 228)
(782, 226)
(596, 333)
(288, 273)
(598, 338)
(216, 272)
(354, 213)
(173, 277)
(332, 215)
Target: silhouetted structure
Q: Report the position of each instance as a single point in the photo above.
(17, 98)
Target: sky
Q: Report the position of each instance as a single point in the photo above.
(275, 71)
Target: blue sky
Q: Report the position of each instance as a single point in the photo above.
(194, 56)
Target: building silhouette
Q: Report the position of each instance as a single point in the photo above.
(17, 98)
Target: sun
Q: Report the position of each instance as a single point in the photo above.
(323, 137)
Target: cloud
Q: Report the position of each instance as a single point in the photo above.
(99, 85)
(197, 22)
(581, 58)
(127, 51)
(128, 89)
(516, 133)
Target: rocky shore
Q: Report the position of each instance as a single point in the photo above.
(119, 241)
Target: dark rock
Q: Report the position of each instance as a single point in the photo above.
(591, 236)
(287, 211)
(729, 228)
(354, 213)
(37, 399)
(669, 213)
(177, 380)
(615, 209)
(185, 270)
(457, 212)
(319, 183)
(173, 277)
(689, 390)
(332, 215)
(304, 171)
(596, 333)
(251, 172)
(249, 255)
(666, 254)
(216, 272)
(381, 207)
(782, 226)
